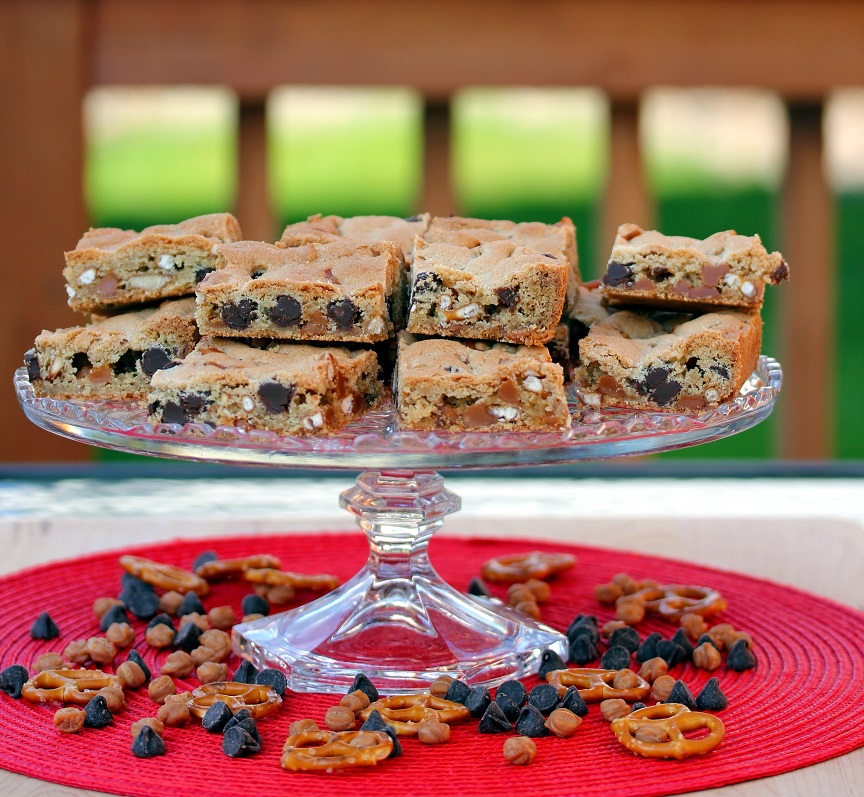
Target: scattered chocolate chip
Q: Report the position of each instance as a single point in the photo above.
(707, 638)
(478, 701)
(494, 720)
(275, 396)
(79, 361)
(344, 313)
(116, 614)
(544, 697)
(243, 719)
(458, 692)
(627, 637)
(127, 361)
(216, 717)
(549, 662)
(656, 376)
(721, 370)
(245, 673)
(740, 657)
(237, 743)
(160, 619)
(680, 639)
(531, 722)
(617, 274)
(375, 722)
(44, 627)
(516, 690)
(240, 314)
(201, 273)
(154, 359)
(616, 658)
(659, 273)
(509, 297)
(479, 588)
(143, 605)
(362, 682)
(671, 653)
(681, 694)
(254, 604)
(187, 637)
(666, 392)
(286, 311)
(96, 713)
(31, 360)
(582, 651)
(510, 709)
(148, 743)
(584, 626)
(648, 649)
(190, 604)
(637, 706)
(275, 679)
(135, 656)
(12, 679)
(691, 363)
(711, 698)
(574, 702)
(203, 558)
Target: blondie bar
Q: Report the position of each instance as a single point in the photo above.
(724, 270)
(288, 388)
(668, 360)
(113, 358)
(111, 268)
(457, 385)
(365, 229)
(337, 291)
(494, 290)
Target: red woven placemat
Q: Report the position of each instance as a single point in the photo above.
(801, 705)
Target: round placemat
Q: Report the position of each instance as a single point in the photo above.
(799, 706)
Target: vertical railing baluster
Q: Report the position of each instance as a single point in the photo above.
(253, 206)
(437, 195)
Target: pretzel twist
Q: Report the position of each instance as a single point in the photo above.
(164, 576)
(595, 685)
(324, 751)
(519, 567)
(272, 577)
(67, 686)
(404, 713)
(675, 720)
(219, 569)
(258, 699)
(672, 601)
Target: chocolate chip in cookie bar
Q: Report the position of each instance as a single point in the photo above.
(115, 357)
(333, 291)
(462, 385)
(723, 270)
(288, 388)
(668, 361)
(495, 290)
(112, 268)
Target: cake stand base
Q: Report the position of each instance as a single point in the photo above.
(397, 621)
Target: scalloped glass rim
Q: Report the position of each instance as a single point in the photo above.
(375, 441)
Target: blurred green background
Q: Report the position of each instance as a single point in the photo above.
(161, 155)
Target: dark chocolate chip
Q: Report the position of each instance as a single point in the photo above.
(216, 717)
(680, 639)
(237, 743)
(243, 719)
(582, 651)
(96, 714)
(13, 678)
(691, 363)
(584, 626)
(31, 360)
(627, 637)
(275, 396)
(376, 723)
(44, 627)
(240, 314)
(617, 274)
(413, 218)
(666, 392)
(116, 614)
(509, 297)
(711, 698)
(275, 679)
(458, 692)
(659, 273)
(478, 701)
(656, 376)
(79, 361)
(154, 359)
(494, 720)
(574, 702)
(245, 673)
(361, 681)
(127, 361)
(343, 313)
(190, 603)
(148, 743)
(131, 584)
(648, 648)
(707, 638)
(681, 694)
(427, 282)
(161, 619)
(510, 709)
(671, 653)
(255, 604)
(515, 690)
(143, 605)
(286, 311)
(479, 588)
(637, 706)
(187, 637)
(740, 657)
(135, 657)
(616, 658)
(201, 273)
(531, 722)
(721, 370)
(781, 272)
(549, 662)
(257, 273)
(203, 558)
(544, 697)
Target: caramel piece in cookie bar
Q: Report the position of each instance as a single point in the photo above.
(668, 361)
(494, 290)
(112, 268)
(288, 388)
(458, 385)
(724, 270)
(336, 291)
(113, 358)
(364, 229)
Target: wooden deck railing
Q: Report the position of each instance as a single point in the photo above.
(53, 51)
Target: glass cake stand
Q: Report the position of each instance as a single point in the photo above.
(397, 620)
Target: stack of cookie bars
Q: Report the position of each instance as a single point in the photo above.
(481, 317)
